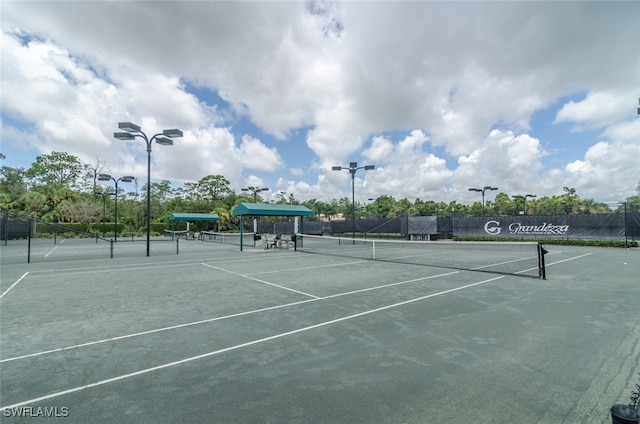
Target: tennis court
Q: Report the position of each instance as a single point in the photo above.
(280, 336)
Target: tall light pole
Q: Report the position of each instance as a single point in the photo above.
(255, 191)
(104, 194)
(125, 179)
(163, 139)
(524, 200)
(352, 168)
(482, 190)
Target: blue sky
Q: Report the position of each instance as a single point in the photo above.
(439, 96)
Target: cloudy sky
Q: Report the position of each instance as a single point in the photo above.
(440, 96)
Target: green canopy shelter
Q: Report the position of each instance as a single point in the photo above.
(191, 217)
(268, 209)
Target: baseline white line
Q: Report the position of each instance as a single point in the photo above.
(115, 268)
(239, 346)
(13, 285)
(99, 271)
(210, 320)
(261, 281)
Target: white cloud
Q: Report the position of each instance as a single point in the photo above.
(298, 172)
(605, 173)
(439, 95)
(596, 110)
(255, 155)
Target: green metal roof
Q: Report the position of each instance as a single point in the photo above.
(194, 217)
(271, 209)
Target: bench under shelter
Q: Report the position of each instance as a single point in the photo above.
(271, 209)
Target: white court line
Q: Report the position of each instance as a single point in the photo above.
(261, 281)
(129, 267)
(209, 320)
(391, 284)
(554, 263)
(569, 259)
(305, 268)
(119, 266)
(157, 330)
(50, 252)
(239, 346)
(13, 285)
(505, 262)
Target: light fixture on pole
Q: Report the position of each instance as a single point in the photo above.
(125, 179)
(352, 168)
(164, 139)
(482, 190)
(524, 200)
(255, 191)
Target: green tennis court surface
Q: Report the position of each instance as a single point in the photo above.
(278, 336)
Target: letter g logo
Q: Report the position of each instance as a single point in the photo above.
(492, 227)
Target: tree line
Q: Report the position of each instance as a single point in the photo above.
(59, 187)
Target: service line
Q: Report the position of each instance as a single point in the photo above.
(239, 346)
(210, 320)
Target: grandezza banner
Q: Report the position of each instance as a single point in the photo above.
(595, 226)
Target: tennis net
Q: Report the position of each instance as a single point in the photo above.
(248, 239)
(514, 258)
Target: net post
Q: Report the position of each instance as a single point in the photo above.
(626, 239)
(5, 227)
(29, 240)
(241, 228)
(111, 249)
(542, 273)
(177, 246)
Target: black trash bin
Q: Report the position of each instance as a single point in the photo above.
(624, 414)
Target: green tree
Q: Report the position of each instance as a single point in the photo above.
(226, 221)
(387, 206)
(503, 204)
(632, 203)
(57, 170)
(569, 199)
(13, 189)
(402, 206)
(211, 187)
